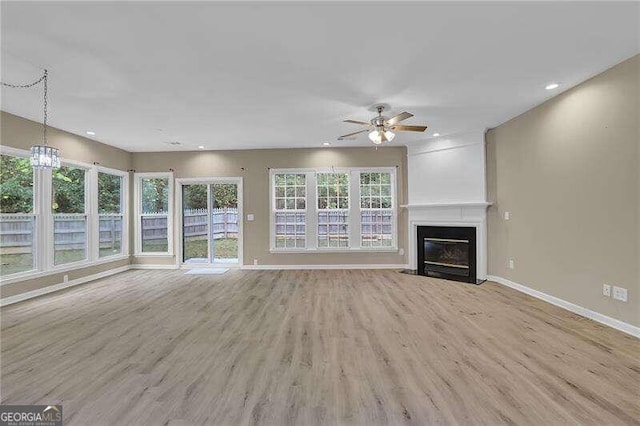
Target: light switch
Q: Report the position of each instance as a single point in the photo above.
(250, 217)
(507, 215)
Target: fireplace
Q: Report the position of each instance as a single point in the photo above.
(447, 252)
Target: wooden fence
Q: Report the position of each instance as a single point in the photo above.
(69, 232)
(16, 231)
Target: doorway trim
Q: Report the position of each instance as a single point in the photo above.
(178, 220)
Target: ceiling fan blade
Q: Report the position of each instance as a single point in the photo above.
(398, 118)
(352, 134)
(402, 128)
(366, 123)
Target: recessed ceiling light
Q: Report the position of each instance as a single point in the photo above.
(91, 133)
(436, 134)
(552, 86)
(200, 147)
(326, 144)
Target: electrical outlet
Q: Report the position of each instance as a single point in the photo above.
(620, 293)
(507, 215)
(65, 278)
(255, 261)
(512, 264)
(606, 290)
(250, 217)
(401, 252)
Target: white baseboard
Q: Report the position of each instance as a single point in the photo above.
(588, 313)
(56, 287)
(298, 267)
(145, 266)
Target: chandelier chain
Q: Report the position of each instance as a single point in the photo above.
(43, 80)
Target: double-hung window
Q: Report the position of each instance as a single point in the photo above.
(61, 219)
(154, 221)
(334, 209)
(290, 210)
(376, 209)
(111, 213)
(17, 218)
(69, 215)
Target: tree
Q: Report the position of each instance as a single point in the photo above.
(224, 195)
(195, 197)
(16, 185)
(155, 195)
(109, 193)
(68, 190)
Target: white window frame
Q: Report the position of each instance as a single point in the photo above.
(36, 210)
(138, 213)
(124, 211)
(90, 200)
(394, 210)
(179, 183)
(273, 210)
(349, 210)
(43, 231)
(355, 238)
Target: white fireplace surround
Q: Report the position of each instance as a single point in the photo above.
(447, 188)
(450, 214)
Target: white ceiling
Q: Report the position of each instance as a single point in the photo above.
(260, 75)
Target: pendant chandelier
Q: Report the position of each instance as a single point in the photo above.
(42, 156)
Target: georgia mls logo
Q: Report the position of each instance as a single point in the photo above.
(30, 415)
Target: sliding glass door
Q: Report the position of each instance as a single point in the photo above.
(224, 222)
(195, 225)
(211, 221)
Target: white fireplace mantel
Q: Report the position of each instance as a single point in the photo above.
(446, 182)
(450, 214)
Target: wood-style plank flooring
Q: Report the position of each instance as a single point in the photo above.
(313, 347)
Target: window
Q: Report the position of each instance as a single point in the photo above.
(290, 210)
(58, 220)
(376, 209)
(333, 209)
(17, 218)
(69, 215)
(154, 222)
(110, 214)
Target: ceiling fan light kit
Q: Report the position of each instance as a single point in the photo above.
(379, 136)
(380, 127)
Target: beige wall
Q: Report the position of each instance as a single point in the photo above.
(14, 289)
(567, 171)
(253, 166)
(17, 132)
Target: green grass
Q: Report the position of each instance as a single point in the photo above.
(23, 262)
(223, 249)
(14, 263)
(154, 247)
(61, 257)
(108, 251)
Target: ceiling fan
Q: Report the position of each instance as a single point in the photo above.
(380, 127)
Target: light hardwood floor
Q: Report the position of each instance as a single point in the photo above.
(313, 347)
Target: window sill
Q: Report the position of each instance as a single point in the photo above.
(335, 250)
(60, 269)
(153, 254)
